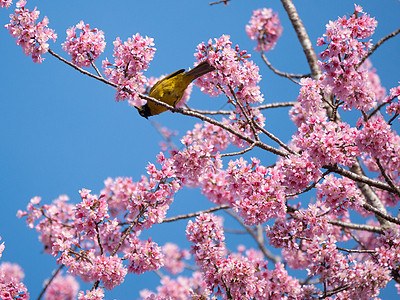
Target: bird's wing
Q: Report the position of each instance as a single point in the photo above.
(169, 76)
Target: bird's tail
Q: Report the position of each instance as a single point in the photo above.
(200, 70)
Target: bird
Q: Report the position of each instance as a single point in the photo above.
(171, 88)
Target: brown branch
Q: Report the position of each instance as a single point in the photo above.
(354, 226)
(356, 250)
(239, 152)
(277, 104)
(228, 112)
(179, 110)
(359, 178)
(303, 38)
(262, 247)
(249, 121)
(49, 282)
(280, 73)
(82, 70)
(383, 215)
(221, 1)
(308, 188)
(275, 139)
(195, 214)
(387, 177)
(377, 45)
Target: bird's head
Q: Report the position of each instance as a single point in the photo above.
(144, 111)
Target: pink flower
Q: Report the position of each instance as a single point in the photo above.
(30, 36)
(394, 107)
(257, 190)
(174, 258)
(131, 58)
(62, 288)
(265, 28)
(345, 49)
(234, 70)
(327, 142)
(340, 194)
(1, 248)
(5, 3)
(11, 271)
(97, 294)
(109, 270)
(143, 256)
(11, 286)
(378, 140)
(85, 48)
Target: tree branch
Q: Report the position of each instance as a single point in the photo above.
(354, 226)
(283, 74)
(303, 38)
(377, 45)
(192, 215)
(264, 250)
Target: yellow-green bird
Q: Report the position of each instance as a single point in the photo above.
(170, 89)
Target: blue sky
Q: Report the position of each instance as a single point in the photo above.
(62, 131)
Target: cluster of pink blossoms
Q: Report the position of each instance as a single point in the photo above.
(394, 107)
(131, 58)
(339, 194)
(257, 189)
(30, 36)
(11, 276)
(379, 141)
(344, 50)
(236, 276)
(309, 102)
(5, 3)
(88, 241)
(86, 48)
(180, 288)
(327, 142)
(297, 172)
(234, 71)
(62, 287)
(265, 28)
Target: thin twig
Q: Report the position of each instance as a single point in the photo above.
(264, 250)
(221, 1)
(280, 73)
(228, 112)
(249, 120)
(95, 68)
(354, 226)
(359, 178)
(334, 291)
(49, 282)
(195, 214)
(376, 109)
(377, 212)
(275, 139)
(239, 152)
(309, 187)
(387, 177)
(356, 250)
(277, 104)
(379, 43)
(82, 70)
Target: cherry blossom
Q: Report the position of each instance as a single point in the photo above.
(131, 58)
(265, 28)
(30, 36)
(85, 48)
(63, 288)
